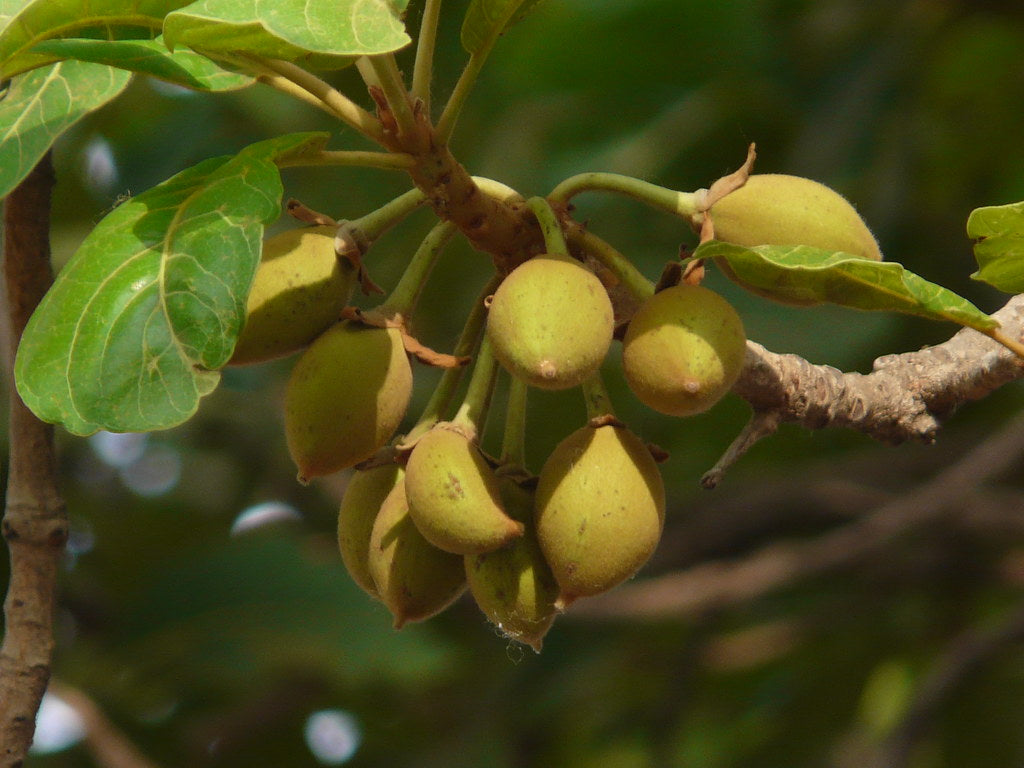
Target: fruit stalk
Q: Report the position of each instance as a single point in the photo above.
(550, 226)
(403, 299)
(513, 443)
(472, 413)
(367, 228)
(599, 404)
(632, 279)
(683, 204)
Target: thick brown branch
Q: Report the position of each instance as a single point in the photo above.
(721, 584)
(34, 524)
(905, 397)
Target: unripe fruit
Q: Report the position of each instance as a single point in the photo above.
(299, 291)
(514, 586)
(776, 209)
(345, 398)
(363, 498)
(600, 509)
(453, 495)
(414, 578)
(551, 322)
(683, 350)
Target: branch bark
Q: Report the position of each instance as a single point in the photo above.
(906, 397)
(35, 522)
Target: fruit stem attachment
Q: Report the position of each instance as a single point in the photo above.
(596, 396)
(550, 226)
(683, 204)
(404, 297)
(423, 69)
(472, 413)
(375, 223)
(513, 442)
(629, 276)
(382, 71)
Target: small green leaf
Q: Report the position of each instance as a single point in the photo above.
(999, 232)
(133, 330)
(40, 105)
(32, 22)
(149, 57)
(322, 34)
(486, 19)
(804, 275)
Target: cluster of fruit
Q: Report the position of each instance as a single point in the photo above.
(430, 514)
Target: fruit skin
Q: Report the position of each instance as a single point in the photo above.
(299, 290)
(345, 398)
(683, 350)
(551, 322)
(777, 209)
(514, 586)
(415, 579)
(363, 497)
(600, 510)
(453, 495)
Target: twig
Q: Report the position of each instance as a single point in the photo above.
(905, 397)
(35, 523)
(109, 746)
(722, 584)
(962, 658)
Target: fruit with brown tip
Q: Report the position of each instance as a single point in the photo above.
(683, 350)
(298, 292)
(453, 494)
(600, 509)
(415, 579)
(550, 322)
(514, 586)
(345, 398)
(364, 495)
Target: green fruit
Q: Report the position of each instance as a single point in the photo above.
(453, 495)
(363, 497)
(775, 209)
(683, 350)
(299, 291)
(514, 586)
(345, 398)
(600, 509)
(414, 578)
(551, 322)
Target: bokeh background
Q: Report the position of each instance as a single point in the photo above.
(204, 609)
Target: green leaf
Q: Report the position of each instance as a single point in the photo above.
(40, 105)
(999, 232)
(29, 23)
(804, 275)
(486, 19)
(322, 34)
(131, 333)
(149, 57)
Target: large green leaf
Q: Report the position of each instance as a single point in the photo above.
(131, 333)
(39, 20)
(42, 104)
(999, 231)
(485, 19)
(804, 275)
(319, 33)
(149, 57)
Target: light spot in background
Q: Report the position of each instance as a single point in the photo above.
(58, 726)
(99, 166)
(171, 90)
(81, 538)
(156, 472)
(266, 513)
(333, 736)
(119, 449)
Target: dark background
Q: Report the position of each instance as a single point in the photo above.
(213, 647)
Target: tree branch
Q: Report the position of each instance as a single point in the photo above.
(905, 397)
(35, 522)
(725, 583)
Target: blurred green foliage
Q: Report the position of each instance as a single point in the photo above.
(213, 649)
